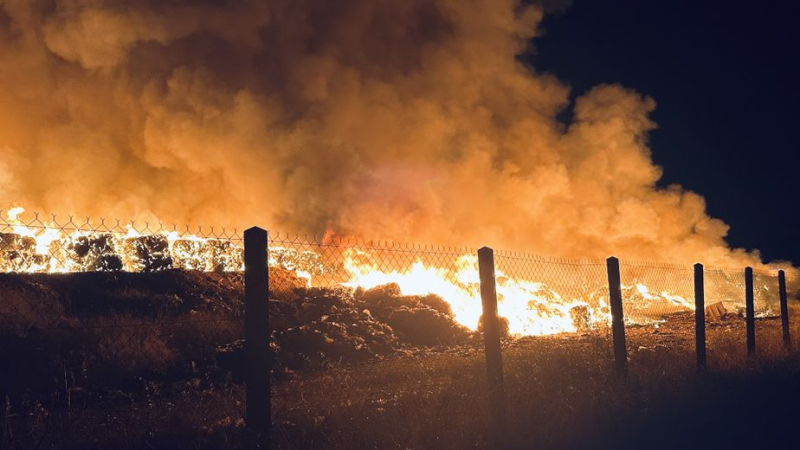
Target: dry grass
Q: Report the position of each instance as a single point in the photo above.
(561, 394)
(560, 390)
(106, 345)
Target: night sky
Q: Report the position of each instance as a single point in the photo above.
(725, 78)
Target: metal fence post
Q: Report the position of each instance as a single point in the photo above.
(256, 333)
(617, 317)
(700, 317)
(491, 339)
(787, 338)
(750, 311)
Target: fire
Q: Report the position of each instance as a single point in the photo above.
(43, 240)
(48, 247)
(677, 300)
(531, 306)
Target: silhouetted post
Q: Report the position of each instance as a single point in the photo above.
(787, 338)
(617, 318)
(256, 332)
(750, 311)
(700, 317)
(491, 340)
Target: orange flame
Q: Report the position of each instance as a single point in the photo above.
(531, 307)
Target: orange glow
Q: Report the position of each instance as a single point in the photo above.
(532, 307)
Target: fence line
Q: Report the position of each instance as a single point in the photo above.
(569, 293)
(650, 290)
(533, 294)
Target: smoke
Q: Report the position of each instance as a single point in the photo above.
(410, 120)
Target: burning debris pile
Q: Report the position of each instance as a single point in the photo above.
(107, 252)
(355, 300)
(531, 306)
(48, 247)
(18, 253)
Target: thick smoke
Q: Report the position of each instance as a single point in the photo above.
(410, 120)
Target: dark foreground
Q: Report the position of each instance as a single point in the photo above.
(130, 361)
(561, 394)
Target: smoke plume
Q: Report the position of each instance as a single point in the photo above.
(411, 120)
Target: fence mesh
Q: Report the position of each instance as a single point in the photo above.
(726, 287)
(334, 261)
(413, 270)
(548, 295)
(536, 295)
(51, 244)
(766, 298)
(652, 292)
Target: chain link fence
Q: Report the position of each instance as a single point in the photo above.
(765, 294)
(549, 295)
(348, 300)
(103, 313)
(726, 288)
(36, 244)
(333, 262)
(536, 295)
(651, 292)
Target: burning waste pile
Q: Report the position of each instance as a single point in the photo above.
(351, 302)
(379, 312)
(531, 307)
(47, 247)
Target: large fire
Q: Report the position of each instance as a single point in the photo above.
(541, 306)
(530, 307)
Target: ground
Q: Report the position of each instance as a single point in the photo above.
(561, 391)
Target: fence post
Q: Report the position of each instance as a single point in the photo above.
(750, 311)
(491, 340)
(787, 338)
(256, 333)
(700, 317)
(617, 317)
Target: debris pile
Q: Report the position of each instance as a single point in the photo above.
(18, 253)
(95, 253)
(148, 253)
(316, 326)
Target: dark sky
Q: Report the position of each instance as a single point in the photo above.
(727, 82)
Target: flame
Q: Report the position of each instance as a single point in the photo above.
(531, 307)
(47, 247)
(674, 299)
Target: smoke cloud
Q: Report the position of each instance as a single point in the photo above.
(410, 120)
